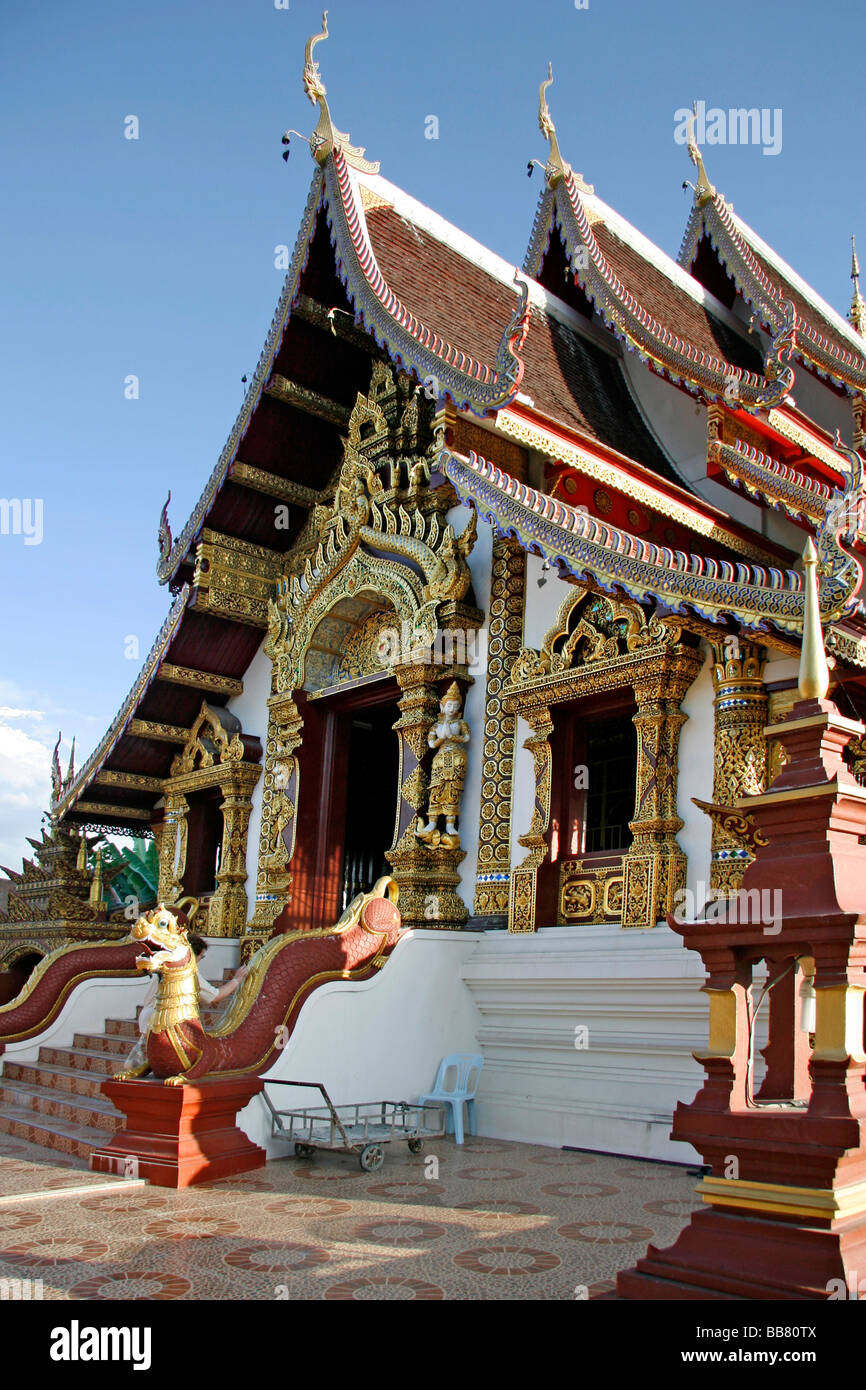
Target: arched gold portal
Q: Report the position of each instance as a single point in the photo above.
(382, 567)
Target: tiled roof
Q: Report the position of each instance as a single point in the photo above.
(667, 302)
(569, 377)
(823, 337)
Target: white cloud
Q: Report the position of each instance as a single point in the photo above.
(7, 712)
(25, 785)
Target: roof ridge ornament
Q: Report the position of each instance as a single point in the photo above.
(556, 168)
(164, 537)
(857, 314)
(705, 192)
(326, 137)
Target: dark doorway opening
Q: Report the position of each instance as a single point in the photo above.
(204, 841)
(348, 767)
(371, 799)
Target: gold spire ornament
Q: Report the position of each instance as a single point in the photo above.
(326, 138)
(705, 192)
(556, 167)
(814, 681)
(857, 314)
(96, 885)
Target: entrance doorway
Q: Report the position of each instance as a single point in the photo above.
(371, 798)
(348, 770)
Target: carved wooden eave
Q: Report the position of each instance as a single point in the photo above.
(72, 793)
(283, 489)
(135, 781)
(160, 733)
(303, 398)
(120, 783)
(209, 681)
(234, 579)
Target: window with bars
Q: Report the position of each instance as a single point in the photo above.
(611, 771)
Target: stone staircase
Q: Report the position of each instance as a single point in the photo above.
(57, 1101)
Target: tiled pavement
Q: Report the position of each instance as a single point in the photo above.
(499, 1220)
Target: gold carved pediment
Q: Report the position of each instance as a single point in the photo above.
(591, 629)
(214, 739)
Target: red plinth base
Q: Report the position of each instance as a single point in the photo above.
(175, 1136)
(732, 1256)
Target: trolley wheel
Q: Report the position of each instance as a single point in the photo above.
(304, 1151)
(372, 1157)
(415, 1145)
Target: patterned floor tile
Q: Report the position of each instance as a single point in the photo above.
(494, 1220)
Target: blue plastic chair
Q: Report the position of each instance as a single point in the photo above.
(455, 1086)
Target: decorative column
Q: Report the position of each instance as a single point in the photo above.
(655, 865)
(227, 915)
(524, 878)
(172, 848)
(427, 876)
(739, 751)
(279, 802)
(505, 639)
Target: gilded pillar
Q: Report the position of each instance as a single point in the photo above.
(279, 802)
(227, 915)
(739, 751)
(427, 875)
(505, 638)
(524, 878)
(172, 848)
(655, 865)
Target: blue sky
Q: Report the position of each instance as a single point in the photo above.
(155, 257)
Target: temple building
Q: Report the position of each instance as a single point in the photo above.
(496, 587)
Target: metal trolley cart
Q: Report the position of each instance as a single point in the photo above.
(363, 1129)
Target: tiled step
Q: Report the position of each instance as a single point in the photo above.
(122, 1028)
(102, 1042)
(78, 1058)
(61, 1135)
(78, 1110)
(58, 1102)
(66, 1080)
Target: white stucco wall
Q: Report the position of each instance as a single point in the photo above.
(251, 709)
(542, 603)
(587, 1035)
(814, 399)
(377, 1039)
(696, 774)
(523, 798)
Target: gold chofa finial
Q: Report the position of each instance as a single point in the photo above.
(857, 315)
(705, 191)
(325, 138)
(556, 165)
(814, 679)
